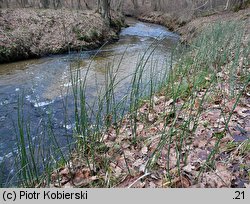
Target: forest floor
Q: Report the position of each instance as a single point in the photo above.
(29, 33)
(194, 140)
(218, 156)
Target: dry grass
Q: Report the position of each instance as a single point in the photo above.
(26, 33)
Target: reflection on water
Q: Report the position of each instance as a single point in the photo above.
(44, 83)
(7, 69)
(148, 31)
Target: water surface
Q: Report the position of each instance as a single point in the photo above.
(43, 84)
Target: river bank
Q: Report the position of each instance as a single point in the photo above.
(32, 33)
(189, 28)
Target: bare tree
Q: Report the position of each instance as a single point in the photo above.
(135, 3)
(158, 5)
(79, 5)
(86, 4)
(227, 4)
(234, 3)
(57, 4)
(119, 5)
(143, 5)
(45, 3)
(104, 9)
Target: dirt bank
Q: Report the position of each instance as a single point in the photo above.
(171, 22)
(29, 33)
(190, 28)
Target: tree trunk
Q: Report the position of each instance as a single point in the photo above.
(104, 9)
(86, 4)
(57, 4)
(227, 4)
(79, 5)
(154, 5)
(135, 3)
(157, 5)
(45, 3)
(241, 3)
(119, 5)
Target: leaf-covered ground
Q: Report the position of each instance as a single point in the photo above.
(200, 144)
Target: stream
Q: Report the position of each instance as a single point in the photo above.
(44, 84)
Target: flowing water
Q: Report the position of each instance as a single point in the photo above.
(43, 84)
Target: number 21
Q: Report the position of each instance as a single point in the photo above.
(239, 195)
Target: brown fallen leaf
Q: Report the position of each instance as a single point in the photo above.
(156, 99)
(118, 172)
(125, 144)
(221, 178)
(144, 108)
(127, 181)
(140, 127)
(64, 172)
(151, 117)
(152, 184)
(129, 155)
(144, 150)
(68, 185)
(181, 182)
(203, 154)
(242, 112)
(81, 177)
(138, 163)
(197, 103)
(142, 168)
(247, 185)
(168, 103)
(189, 168)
